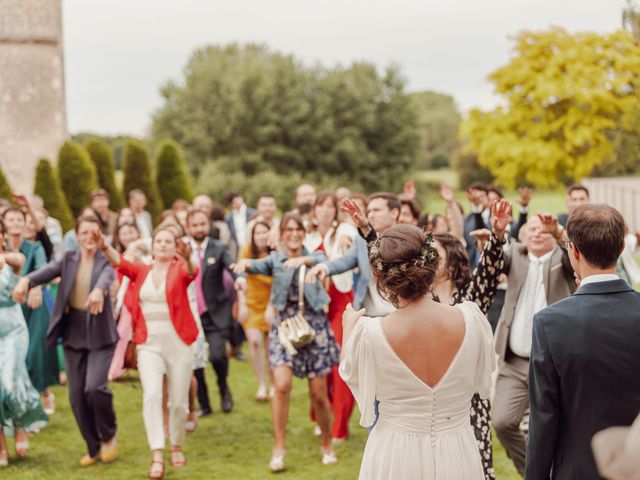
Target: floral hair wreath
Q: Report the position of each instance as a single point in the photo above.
(427, 256)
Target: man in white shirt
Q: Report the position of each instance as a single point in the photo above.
(539, 274)
(137, 202)
(238, 218)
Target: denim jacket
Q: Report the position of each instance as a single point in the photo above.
(316, 298)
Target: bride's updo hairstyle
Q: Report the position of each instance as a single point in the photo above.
(404, 263)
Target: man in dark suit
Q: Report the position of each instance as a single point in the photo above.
(238, 218)
(478, 195)
(585, 356)
(214, 303)
(82, 316)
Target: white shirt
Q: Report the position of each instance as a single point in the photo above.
(532, 299)
(240, 224)
(143, 221)
(602, 277)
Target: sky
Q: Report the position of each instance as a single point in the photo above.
(118, 53)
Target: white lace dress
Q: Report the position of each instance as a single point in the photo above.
(422, 433)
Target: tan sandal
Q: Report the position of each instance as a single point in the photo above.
(177, 457)
(156, 474)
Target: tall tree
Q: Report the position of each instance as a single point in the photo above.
(137, 174)
(172, 177)
(77, 176)
(102, 158)
(566, 96)
(47, 187)
(267, 111)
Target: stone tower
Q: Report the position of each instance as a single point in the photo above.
(33, 120)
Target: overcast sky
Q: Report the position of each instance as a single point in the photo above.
(119, 52)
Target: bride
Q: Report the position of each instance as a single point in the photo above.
(423, 363)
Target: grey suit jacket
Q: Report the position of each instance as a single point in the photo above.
(101, 328)
(559, 283)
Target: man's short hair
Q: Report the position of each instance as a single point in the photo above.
(597, 231)
(392, 200)
(86, 219)
(496, 190)
(101, 192)
(266, 195)
(479, 186)
(195, 211)
(231, 194)
(134, 192)
(577, 187)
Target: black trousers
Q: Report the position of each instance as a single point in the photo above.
(89, 394)
(217, 340)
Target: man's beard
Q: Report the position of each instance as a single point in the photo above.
(200, 237)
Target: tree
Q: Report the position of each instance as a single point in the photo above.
(438, 122)
(47, 187)
(6, 191)
(137, 175)
(465, 162)
(77, 176)
(265, 110)
(102, 158)
(566, 98)
(172, 176)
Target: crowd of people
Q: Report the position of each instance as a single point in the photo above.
(370, 299)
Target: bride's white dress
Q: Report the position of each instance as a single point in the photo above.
(423, 432)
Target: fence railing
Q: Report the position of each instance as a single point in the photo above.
(621, 193)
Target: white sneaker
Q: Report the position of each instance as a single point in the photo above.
(316, 430)
(338, 441)
(329, 458)
(276, 464)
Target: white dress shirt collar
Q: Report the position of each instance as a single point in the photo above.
(602, 277)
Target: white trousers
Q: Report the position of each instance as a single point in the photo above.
(164, 353)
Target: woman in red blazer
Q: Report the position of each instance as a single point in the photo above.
(163, 330)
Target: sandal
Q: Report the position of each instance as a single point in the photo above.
(261, 395)
(22, 446)
(156, 473)
(4, 458)
(276, 464)
(192, 422)
(49, 404)
(177, 457)
(329, 457)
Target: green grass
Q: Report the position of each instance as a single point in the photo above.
(234, 446)
(551, 201)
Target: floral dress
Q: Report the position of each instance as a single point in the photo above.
(314, 359)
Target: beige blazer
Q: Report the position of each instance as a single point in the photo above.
(559, 283)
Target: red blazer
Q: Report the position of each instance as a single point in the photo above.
(178, 279)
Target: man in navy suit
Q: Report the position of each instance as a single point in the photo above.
(585, 357)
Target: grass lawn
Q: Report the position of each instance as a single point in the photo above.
(234, 446)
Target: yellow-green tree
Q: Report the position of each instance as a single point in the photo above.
(566, 97)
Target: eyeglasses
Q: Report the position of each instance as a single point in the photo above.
(566, 243)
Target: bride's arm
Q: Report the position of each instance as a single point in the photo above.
(349, 319)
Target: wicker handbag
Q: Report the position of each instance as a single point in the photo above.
(295, 332)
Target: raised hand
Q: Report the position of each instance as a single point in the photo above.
(481, 235)
(500, 217)
(447, 193)
(21, 200)
(525, 193)
(549, 223)
(351, 316)
(358, 217)
(241, 266)
(315, 273)
(95, 302)
(98, 238)
(409, 191)
(183, 249)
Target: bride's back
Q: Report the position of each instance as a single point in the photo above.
(426, 336)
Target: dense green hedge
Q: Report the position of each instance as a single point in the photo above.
(5, 189)
(172, 176)
(137, 174)
(102, 158)
(77, 176)
(47, 187)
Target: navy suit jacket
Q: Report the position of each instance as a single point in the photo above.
(584, 376)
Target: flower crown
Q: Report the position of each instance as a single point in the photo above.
(427, 256)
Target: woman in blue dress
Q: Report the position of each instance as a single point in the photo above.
(20, 408)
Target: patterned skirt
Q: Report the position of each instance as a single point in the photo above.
(312, 360)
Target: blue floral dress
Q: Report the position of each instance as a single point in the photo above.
(314, 359)
(19, 401)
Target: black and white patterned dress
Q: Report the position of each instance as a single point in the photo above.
(314, 359)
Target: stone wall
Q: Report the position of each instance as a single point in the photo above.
(33, 121)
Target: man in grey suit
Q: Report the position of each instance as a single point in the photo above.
(585, 357)
(82, 316)
(539, 273)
